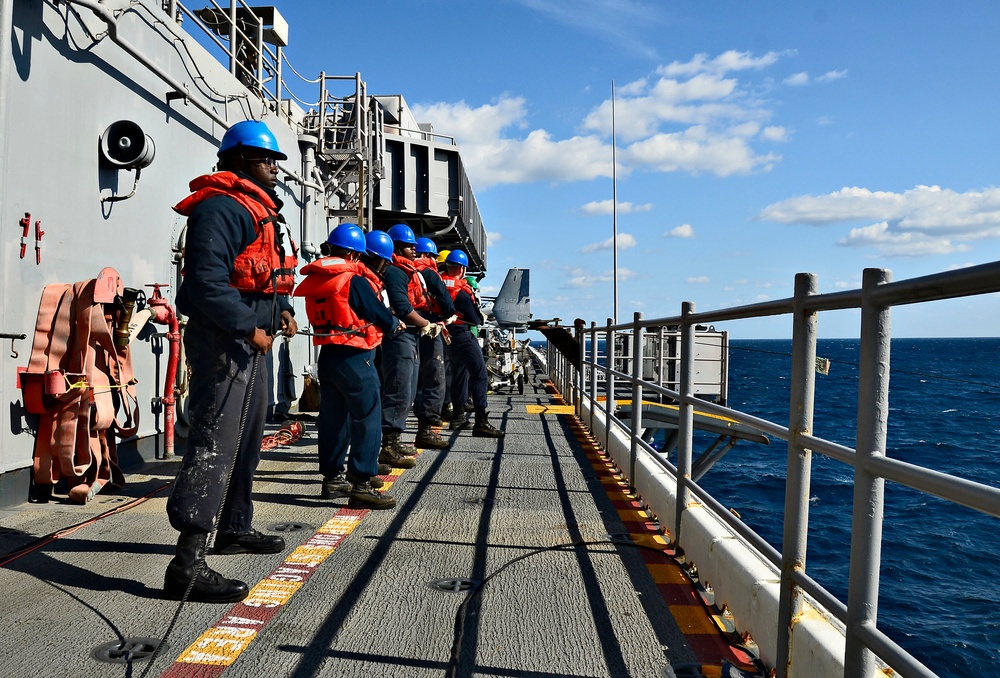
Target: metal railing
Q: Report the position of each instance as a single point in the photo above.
(863, 640)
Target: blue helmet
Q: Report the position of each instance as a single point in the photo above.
(251, 134)
(458, 258)
(379, 244)
(426, 246)
(348, 237)
(402, 233)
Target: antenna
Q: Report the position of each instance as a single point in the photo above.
(614, 201)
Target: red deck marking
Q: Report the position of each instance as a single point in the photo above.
(221, 644)
(710, 644)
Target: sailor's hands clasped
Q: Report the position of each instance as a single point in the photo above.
(431, 330)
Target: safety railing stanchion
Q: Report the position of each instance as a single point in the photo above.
(609, 401)
(685, 414)
(593, 373)
(800, 421)
(581, 340)
(636, 423)
(866, 523)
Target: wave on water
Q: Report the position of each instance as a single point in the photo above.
(938, 590)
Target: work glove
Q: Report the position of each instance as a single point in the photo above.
(452, 320)
(430, 330)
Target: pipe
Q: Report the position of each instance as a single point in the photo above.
(163, 313)
(307, 146)
(451, 226)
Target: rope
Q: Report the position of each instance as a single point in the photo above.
(289, 433)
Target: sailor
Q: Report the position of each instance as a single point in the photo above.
(349, 319)
(431, 381)
(239, 267)
(446, 409)
(468, 368)
(407, 294)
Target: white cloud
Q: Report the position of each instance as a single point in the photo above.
(577, 277)
(493, 237)
(926, 209)
(830, 76)
(492, 158)
(613, 21)
(682, 231)
(725, 62)
(625, 242)
(797, 80)
(891, 243)
(690, 117)
(699, 280)
(698, 150)
(802, 78)
(774, 133)
(602, 207)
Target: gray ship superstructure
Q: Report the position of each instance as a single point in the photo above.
(111, 108)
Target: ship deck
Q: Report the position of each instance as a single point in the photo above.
(523, 557)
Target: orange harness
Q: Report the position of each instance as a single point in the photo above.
(76, 381)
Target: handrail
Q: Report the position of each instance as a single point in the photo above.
(863, 641)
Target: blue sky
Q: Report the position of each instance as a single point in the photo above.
(754, 141)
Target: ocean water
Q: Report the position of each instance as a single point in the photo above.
(940, 591)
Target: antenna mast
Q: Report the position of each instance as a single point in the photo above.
(614, 201)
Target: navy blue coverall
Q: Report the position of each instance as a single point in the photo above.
(400, 356)
(350, 410)
(431, 384)
(468, 369)
(229, 390)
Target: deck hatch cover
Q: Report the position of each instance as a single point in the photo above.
(126, 650)
(454, 585)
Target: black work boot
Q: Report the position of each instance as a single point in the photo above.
(483, 427)
(335, 487)
(391, 454)
(428, 439)
(364, 496)
(189, 564)
(384, 469)
(446, 412)
(251, 541)
(460, 422)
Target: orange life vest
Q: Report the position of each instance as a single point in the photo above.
(456, 284)
(425, 263)
(429, 264)
(416, 290)
(327, 288)
(265, 263)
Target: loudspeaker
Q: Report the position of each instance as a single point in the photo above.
(124, 144)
